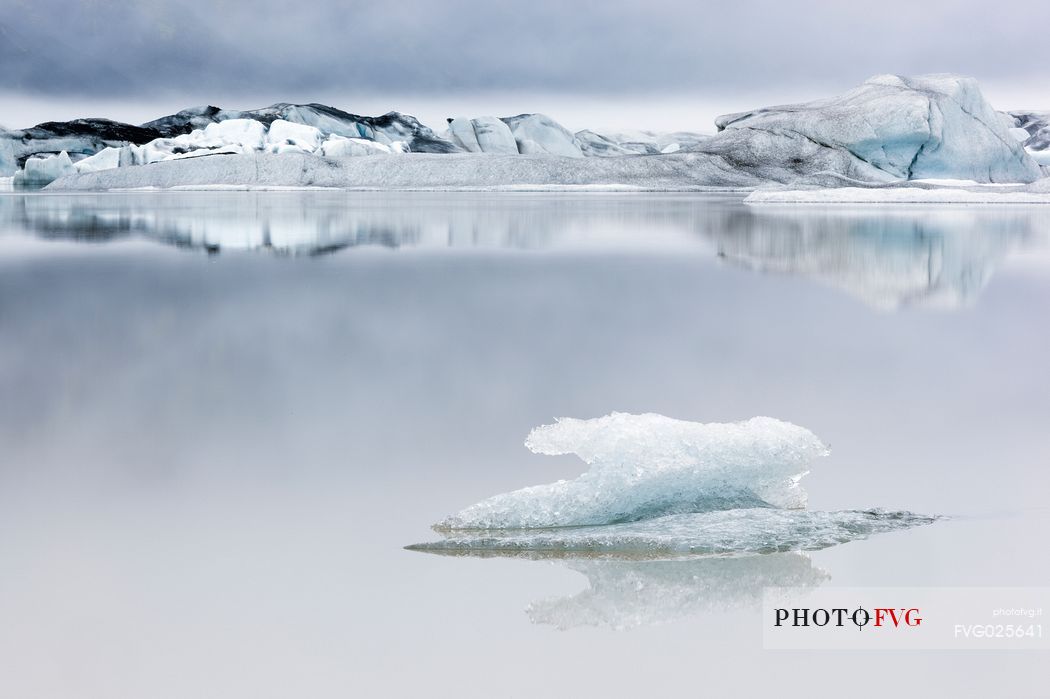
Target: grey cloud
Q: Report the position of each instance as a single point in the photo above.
(115, 47)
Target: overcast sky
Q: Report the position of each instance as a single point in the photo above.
(608, 61)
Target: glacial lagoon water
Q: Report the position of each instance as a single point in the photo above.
(224, 414)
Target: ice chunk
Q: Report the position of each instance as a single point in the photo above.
(737, 531)
(41, 171)
(483, 135)
(339, 147)
(645, 466)
(657, 486)
(538, 133)
(281, 133)
(105, 159)
(494, 136)
(461, 132)
(242, 132)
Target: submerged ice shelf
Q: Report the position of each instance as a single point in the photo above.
(756, 530)
(659, 487)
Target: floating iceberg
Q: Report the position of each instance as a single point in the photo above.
(645, 466)
(106, 159)
(661, 487)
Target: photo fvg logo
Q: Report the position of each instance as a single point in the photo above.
(880, 617)
(945, 618)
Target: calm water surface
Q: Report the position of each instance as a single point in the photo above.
(222, 416)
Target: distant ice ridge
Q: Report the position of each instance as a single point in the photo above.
(645, 466)
(93, 145)
(889, 129)
(751, 530)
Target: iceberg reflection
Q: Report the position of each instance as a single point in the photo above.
(887, 256)
(623, 594)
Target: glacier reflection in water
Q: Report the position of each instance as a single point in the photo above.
(888, 257)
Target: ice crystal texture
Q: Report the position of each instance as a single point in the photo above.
(644, 466)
